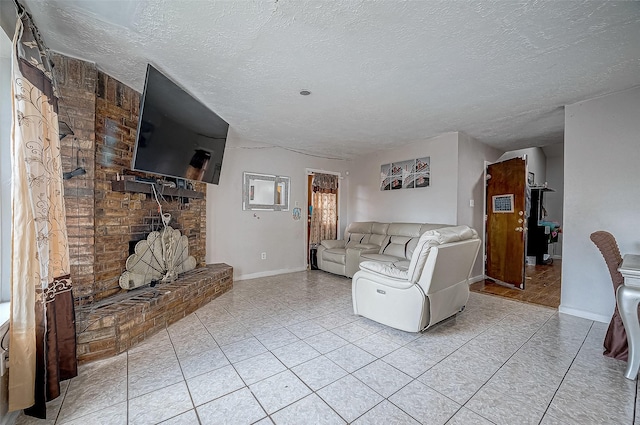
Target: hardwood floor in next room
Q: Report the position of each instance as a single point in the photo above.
(542, 286)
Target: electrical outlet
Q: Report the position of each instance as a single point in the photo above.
(263, 256)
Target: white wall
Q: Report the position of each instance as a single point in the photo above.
(434, 204)
(457, 163)
(471, 157)
(5, 209)
(536, 162)
(553, 201)
(602, 192)
(5, 170)
(237, 237)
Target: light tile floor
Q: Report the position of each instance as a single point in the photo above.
(288, 350)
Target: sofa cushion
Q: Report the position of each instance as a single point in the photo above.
(388, 271)
(358, 232)
(381, 258)
(380, 228)
(410, 248)
(336, 255)
(332, 243)
(404, 229)
(357, 239)
(396, 246)
(431, 226)
(364, 246)
(398, 240)
(359, 227)
(402, 264)
(378, 233)
(454, 234)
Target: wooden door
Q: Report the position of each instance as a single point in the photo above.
(506, 221)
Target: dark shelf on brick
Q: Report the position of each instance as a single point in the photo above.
(134, 186)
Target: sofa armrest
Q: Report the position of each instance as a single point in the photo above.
(367, 273)
(384, 270)
(366, 247)
(352, 262)
(332, 243)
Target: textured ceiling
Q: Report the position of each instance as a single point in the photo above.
(382, 73)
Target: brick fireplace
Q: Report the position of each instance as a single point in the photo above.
(102, 222)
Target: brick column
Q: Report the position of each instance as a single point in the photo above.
(103, 113)
(76, 81)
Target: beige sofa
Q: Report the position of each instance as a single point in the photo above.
(387, 243)
(434, 287)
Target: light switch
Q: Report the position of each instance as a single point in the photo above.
(471, 203)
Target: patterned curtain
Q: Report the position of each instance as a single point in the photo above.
(324, 213)
(42, 324)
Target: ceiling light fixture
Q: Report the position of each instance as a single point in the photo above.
(305, 92)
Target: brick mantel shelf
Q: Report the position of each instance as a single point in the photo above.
(138, 187)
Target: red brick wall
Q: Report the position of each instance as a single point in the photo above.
(103, 113)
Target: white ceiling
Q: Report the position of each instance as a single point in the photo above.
(382, 73)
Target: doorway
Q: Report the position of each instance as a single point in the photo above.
(507, 199)
(322, 211)
(543, 232)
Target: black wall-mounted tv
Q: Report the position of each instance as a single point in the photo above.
(177, 135)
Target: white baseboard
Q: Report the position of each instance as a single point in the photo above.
(268, 273)
(584, 314)
(475, 279)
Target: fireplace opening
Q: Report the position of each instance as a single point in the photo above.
(132, 247)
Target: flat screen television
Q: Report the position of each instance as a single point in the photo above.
(177, 135)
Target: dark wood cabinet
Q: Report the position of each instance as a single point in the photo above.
(537, 238)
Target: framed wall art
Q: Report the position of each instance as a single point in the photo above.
(407, 174)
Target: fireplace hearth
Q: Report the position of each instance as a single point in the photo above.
(113, 325)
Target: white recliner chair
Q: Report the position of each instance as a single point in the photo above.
(433, 288)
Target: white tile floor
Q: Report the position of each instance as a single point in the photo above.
(288, 350)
